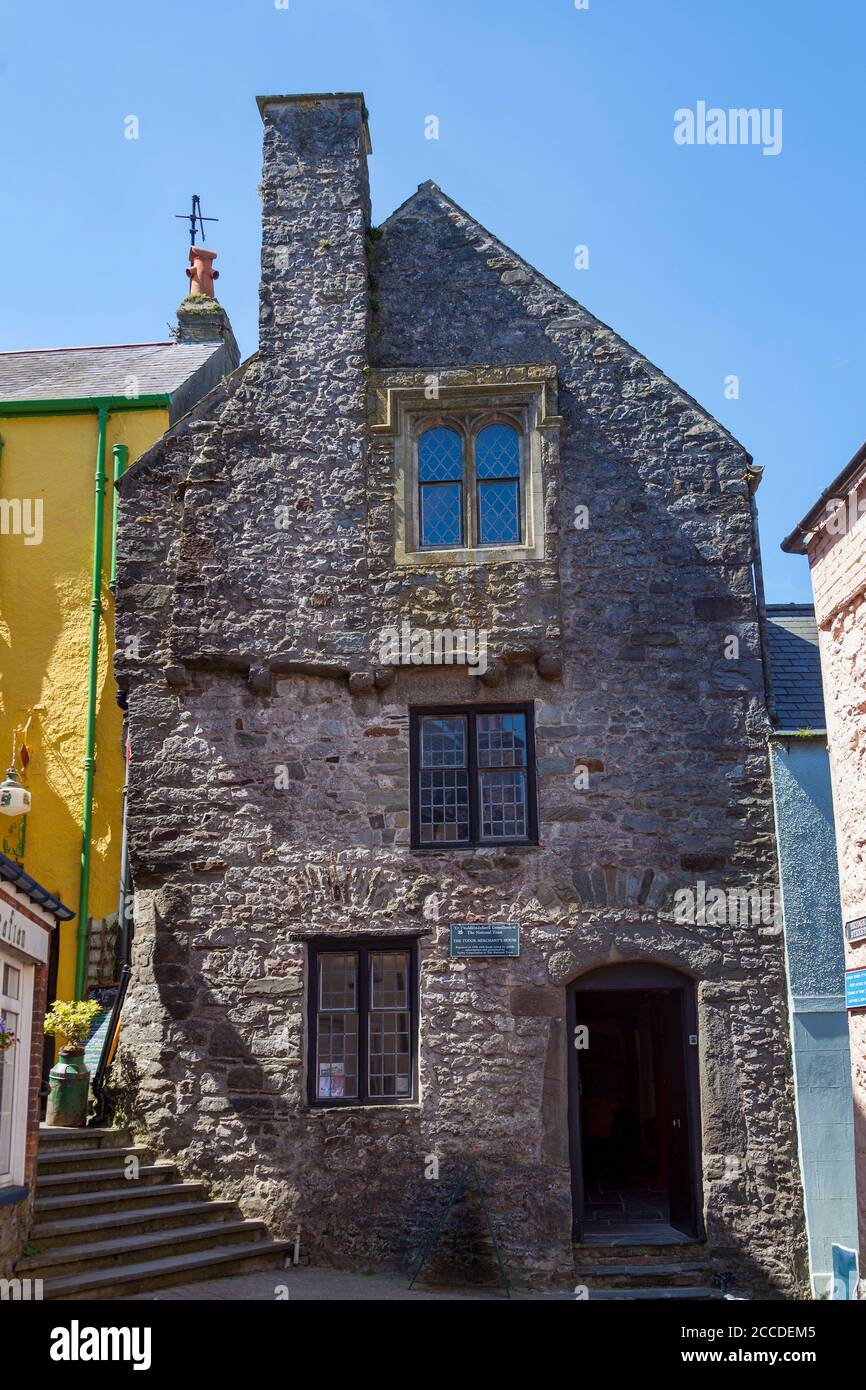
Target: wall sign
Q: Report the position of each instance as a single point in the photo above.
(855, 989)
(21, 933)
(856, 930)
(495, 939)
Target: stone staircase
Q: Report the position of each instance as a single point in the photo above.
(669, 1272)
(101, 1234)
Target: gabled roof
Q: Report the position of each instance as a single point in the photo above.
(797, 542)
(795, 667)
(486, 241)
(59, 374)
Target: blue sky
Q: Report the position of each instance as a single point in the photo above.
(556, 130)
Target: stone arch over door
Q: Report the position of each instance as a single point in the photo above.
(634, 1101)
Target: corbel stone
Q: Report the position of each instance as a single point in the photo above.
(495, 673)
(176, 675)
(384, 676)
(259, 680)
(361, 682)
(549, 666)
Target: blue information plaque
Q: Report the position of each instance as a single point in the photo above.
(485, 939)
(855, 989)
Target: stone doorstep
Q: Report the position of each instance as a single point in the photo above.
(668, 1294)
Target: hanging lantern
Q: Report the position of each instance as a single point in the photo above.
(14, 799)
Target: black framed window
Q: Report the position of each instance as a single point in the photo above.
(473, 776)
(363, 1022)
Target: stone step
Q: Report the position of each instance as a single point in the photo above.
(77, 1230)
(631, 1276)
(117, 1199)
(74, 1160)
(125, 1279)
(691, 1252)
(103, 1255)
(704, 1292)
(72, 1139)
(80, 1183)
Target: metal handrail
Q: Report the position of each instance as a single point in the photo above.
(106, 1056)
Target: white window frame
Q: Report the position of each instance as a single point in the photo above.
(20, 1063)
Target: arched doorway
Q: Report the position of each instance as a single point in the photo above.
(634, 1110)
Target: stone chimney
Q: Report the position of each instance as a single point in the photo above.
(200, 316)
(315, 213)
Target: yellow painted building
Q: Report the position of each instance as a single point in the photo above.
(62, 412)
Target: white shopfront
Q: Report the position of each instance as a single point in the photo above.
(23, 945)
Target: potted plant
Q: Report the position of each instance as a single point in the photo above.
(70, 1079)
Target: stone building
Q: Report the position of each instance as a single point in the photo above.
(809, 884)
(833, 535)
(440, 612)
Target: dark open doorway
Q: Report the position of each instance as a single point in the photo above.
(633, 1105)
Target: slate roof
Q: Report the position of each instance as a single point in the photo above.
(795, 666)
(53, 374)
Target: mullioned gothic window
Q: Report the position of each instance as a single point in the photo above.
(471, 482)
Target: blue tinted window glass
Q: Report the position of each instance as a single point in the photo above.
(498, 513)
(497, 452)
(440, 456)
(441, 522)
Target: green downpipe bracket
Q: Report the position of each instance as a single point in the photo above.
(90, 721)
(121, 454)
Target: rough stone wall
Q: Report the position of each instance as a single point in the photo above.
(246, 635)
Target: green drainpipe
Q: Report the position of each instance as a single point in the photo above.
(121, 454)
(90, 723)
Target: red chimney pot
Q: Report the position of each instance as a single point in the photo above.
(201, 272)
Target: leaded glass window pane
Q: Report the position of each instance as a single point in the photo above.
(337, 1042)
(502, 794)
(440, 456)
(497, 452)
(389, 1047)
(444, 781)
(443, 742)
(503, 805)
(498, 513)
(497, 467)
(442, 514)
(440, 477)
(501, 740)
